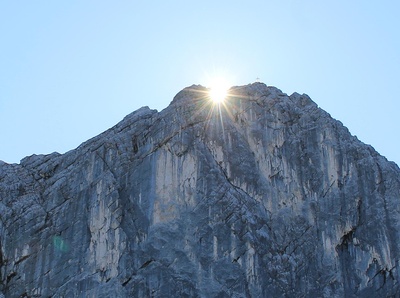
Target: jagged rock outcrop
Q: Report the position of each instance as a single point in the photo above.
(266, 197)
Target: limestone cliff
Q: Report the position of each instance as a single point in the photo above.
(267, 196)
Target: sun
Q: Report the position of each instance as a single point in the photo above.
(218, 90)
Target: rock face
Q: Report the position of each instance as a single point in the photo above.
(267, 196)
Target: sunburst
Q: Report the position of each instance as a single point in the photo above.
(218, 90)
(215, 99)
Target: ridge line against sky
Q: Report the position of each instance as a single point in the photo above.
(72, 69)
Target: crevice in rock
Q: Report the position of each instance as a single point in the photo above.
(359, 206)
(346, 240)
(147, 263)
(385, 273)
(327, 190)
(23, 258)
(10, 276)
(227, 179)
(135, 145)
(126, 281)
(107, 165)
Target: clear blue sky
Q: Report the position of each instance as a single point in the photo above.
(71, 69)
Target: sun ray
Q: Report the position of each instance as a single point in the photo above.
(222, 122)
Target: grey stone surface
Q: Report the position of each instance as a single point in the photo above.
(267, 197)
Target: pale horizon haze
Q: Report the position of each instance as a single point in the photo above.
(70, 70)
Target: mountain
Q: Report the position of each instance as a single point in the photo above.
(264, 196)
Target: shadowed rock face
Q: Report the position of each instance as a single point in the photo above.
(266, 197)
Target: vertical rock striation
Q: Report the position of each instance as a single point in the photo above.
(267, 196)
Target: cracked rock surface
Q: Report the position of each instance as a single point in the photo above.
(267, 196)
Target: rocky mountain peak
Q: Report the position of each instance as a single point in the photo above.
(264, 195)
